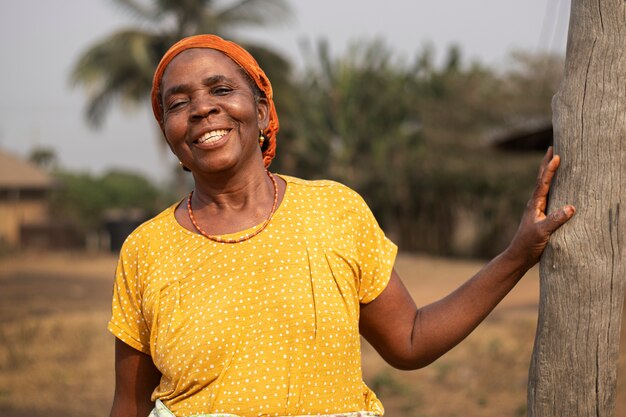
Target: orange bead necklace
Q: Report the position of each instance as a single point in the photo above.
(244, 237)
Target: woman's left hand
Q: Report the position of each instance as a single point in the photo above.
(536, 226)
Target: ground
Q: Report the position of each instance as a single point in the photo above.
(56, 357)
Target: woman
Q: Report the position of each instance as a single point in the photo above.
(248, 298)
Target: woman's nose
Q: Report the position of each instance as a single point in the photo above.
(202, 106)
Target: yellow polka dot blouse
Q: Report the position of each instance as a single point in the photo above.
(265, 327)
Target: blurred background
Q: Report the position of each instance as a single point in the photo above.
(438, 114)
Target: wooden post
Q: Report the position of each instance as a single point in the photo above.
(583, 271)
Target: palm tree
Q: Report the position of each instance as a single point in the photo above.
(359, 125)
(120, 67)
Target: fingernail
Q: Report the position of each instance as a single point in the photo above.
(569, 210)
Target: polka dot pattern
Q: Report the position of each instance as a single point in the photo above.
(265, 327)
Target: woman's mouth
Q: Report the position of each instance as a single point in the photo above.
(212, 136)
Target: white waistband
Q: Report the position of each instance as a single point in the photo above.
(160, 410)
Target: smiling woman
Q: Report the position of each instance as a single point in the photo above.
(250, 299)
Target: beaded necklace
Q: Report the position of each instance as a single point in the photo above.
(244, 237)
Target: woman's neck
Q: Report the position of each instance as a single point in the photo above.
(223, 204)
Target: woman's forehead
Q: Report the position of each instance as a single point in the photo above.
(202, 60)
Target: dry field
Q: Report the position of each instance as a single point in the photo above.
(56, 358)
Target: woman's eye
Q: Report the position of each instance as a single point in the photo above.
(220, 91)
(176, 104)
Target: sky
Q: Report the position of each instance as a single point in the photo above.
(41, 40)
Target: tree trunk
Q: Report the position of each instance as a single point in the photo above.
(583, 271)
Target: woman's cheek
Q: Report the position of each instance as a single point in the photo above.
(173, 138)
(171, 129)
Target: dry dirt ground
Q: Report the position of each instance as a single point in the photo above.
(56, 358)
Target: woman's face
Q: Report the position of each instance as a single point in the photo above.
(211, 119)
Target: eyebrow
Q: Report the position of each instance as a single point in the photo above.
(181, 88)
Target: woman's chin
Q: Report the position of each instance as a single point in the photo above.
(225, 159)
(215, 166)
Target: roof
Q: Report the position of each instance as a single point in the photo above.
(15, 173)
(533, 135)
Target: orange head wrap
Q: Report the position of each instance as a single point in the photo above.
(243, 59)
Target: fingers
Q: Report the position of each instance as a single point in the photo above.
(547, 170)
(558, 218)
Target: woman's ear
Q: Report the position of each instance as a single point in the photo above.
(263, 113)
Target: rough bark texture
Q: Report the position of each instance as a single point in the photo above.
(583, 271)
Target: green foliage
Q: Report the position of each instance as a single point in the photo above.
(44, 158)
(411, 139)
(84, 198)
(358, 125)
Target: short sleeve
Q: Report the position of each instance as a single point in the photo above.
(375, 252)
(127, 320)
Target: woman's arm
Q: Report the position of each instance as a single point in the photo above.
(410, 338)
(135, 379)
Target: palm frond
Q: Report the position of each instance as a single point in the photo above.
(255, 13)
(119, 66)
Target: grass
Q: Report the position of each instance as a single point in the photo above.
(56, 358)
(483, 376)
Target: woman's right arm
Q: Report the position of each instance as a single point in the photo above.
(135, 379)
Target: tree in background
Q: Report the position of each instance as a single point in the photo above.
(358, 125)
(411, 139)
(463, 176)
(44, 157)
(84, 198)
(119, 68)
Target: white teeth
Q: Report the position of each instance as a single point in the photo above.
(212, 136)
